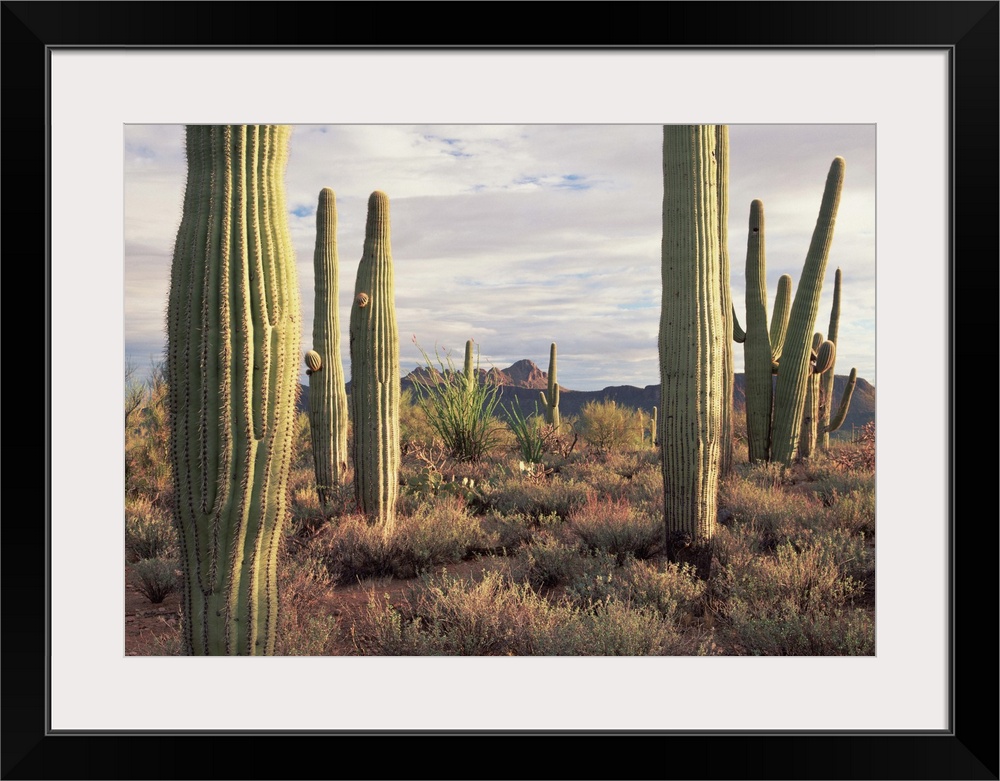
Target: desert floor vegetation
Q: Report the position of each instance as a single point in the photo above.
(562, 554)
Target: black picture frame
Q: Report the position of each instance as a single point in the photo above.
(968, 750)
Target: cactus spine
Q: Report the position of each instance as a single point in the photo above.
(327, 393)
(551, 402)
(375, 382)
(233, 336)
(691, 331)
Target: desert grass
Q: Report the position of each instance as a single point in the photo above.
(567, 555)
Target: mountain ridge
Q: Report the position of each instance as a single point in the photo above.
(523, 379)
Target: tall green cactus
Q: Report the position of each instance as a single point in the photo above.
(550, 403)
(233, 332)
(327, 393)
(728, 371)
(794, 368)
(375, 382)
(692, 327)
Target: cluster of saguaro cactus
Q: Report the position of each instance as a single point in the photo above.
(550, 402)
(327, 393)
(692, 330)
(233, 332)
(375, 381)
(789, 348)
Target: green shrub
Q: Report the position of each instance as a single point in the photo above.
(436, 533)
(149, 530)
(613, 526)
(155, 579)
(607, 427)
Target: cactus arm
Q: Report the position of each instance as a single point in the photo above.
(845, 403)
(232, 356)
(739, 335)
(327, 392)
(791, 387)
(810, 412)
(375, 380)
(826, 389)
(779, 318)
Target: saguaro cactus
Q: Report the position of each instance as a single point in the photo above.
(327, 393)
(826, 424)
(793, 374)
(728, 371)
(550, 403)
(761, 344)
(692, 328)
(233, 336)
(375, 383)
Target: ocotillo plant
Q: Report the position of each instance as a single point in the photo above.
(550, 403)
(233, 332)
(375, 382)
(327, 393)
(691, 332)
(794, 368)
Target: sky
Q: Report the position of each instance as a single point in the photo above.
(517, 236)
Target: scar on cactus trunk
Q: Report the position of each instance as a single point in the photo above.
(232, 369)
(692, 327)
(375, 381)
(327, 393)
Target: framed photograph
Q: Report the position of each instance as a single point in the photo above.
(922, 74)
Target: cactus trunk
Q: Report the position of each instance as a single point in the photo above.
(692, 326)
(757, 351)
(327, 393)
(375, 381)
(793, 375)
(233, 336)
(551, 402)
(728, 371)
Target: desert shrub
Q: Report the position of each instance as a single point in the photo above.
(149, 530)
(605, 426)
(614, 526)
(771, 513)
(797, 601)
(550, 561)
(461, 414)
(533, 493)
(786, 632)
(859, 453)
(672, 590)
(147, 446)
(434, 534)
(306, 627)
(415, 429)
(615, 629)
(156, 578)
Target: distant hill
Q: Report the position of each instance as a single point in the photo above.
(523, 380)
